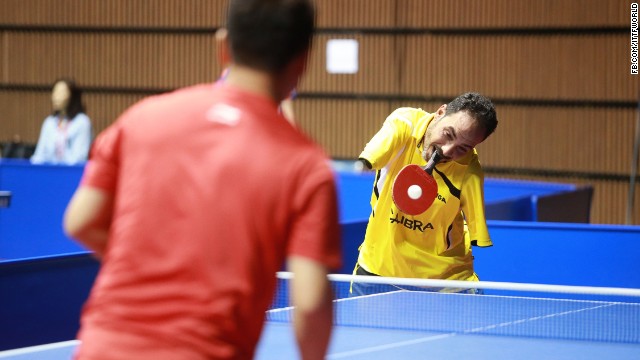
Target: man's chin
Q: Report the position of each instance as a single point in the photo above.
(428, 151)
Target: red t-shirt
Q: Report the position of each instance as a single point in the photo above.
(213, 189)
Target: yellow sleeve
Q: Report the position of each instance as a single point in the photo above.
(472, 203)
(395, 131)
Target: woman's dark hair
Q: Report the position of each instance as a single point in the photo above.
(75, 105)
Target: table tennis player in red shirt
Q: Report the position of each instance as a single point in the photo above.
(194, 199)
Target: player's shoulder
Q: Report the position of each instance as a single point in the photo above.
(187, 94)
(82, 118)
(470, 159)
(474, 157)
(409, 112)
(409, 115)
(471, 162)
(305, 154)
(175, 100)
(176, 95)
(50, 120)
(307, 149)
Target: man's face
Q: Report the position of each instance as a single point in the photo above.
(455, 134)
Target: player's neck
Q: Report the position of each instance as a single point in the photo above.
(254, 81)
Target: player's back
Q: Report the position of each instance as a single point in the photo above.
(209, 181)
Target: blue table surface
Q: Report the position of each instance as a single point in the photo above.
(417, 325)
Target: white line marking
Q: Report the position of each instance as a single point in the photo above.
(39, 348)
(345, 354)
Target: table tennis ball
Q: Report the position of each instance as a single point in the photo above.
(414, 192)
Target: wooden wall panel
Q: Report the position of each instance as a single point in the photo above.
(111, 60)
(460, 14)
(4, 56)
(533, 67)
(377, 67)
(558, 67)
(356, 13)
(342, 127)
(436, 14)
(474, 14)
(22, 113)
(609, 205)
(114, 13)
(563, 139)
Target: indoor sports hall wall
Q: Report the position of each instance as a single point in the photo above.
(558, 71)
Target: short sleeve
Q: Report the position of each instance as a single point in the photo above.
(315, 232)
(397, 128)
(472, 202)
(101, 171)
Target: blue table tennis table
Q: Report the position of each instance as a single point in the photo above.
(431, 325)
(5, 199)
(428, 325)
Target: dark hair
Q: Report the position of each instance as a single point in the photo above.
(268, 34)
(479, 107)
(75, 105)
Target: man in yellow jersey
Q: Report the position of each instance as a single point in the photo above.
(437, 243)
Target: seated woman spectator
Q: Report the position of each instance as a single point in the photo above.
(65, 137)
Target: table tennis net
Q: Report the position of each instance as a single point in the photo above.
(486, 308)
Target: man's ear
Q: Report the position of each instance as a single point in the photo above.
(442, 110)
(222, 47)
(300, 63)
(294, 71)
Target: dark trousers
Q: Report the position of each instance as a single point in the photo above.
(360, 289)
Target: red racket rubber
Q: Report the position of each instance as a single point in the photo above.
(414, 175)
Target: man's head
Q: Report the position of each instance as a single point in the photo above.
(270, 35)
(460, 125)
(267, 42)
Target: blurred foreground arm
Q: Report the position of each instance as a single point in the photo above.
(88, 218)
(311, 295)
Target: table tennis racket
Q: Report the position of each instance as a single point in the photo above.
(414, 189)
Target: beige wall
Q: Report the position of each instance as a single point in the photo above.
(558, 71)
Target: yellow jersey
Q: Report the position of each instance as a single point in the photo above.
(437, 243)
